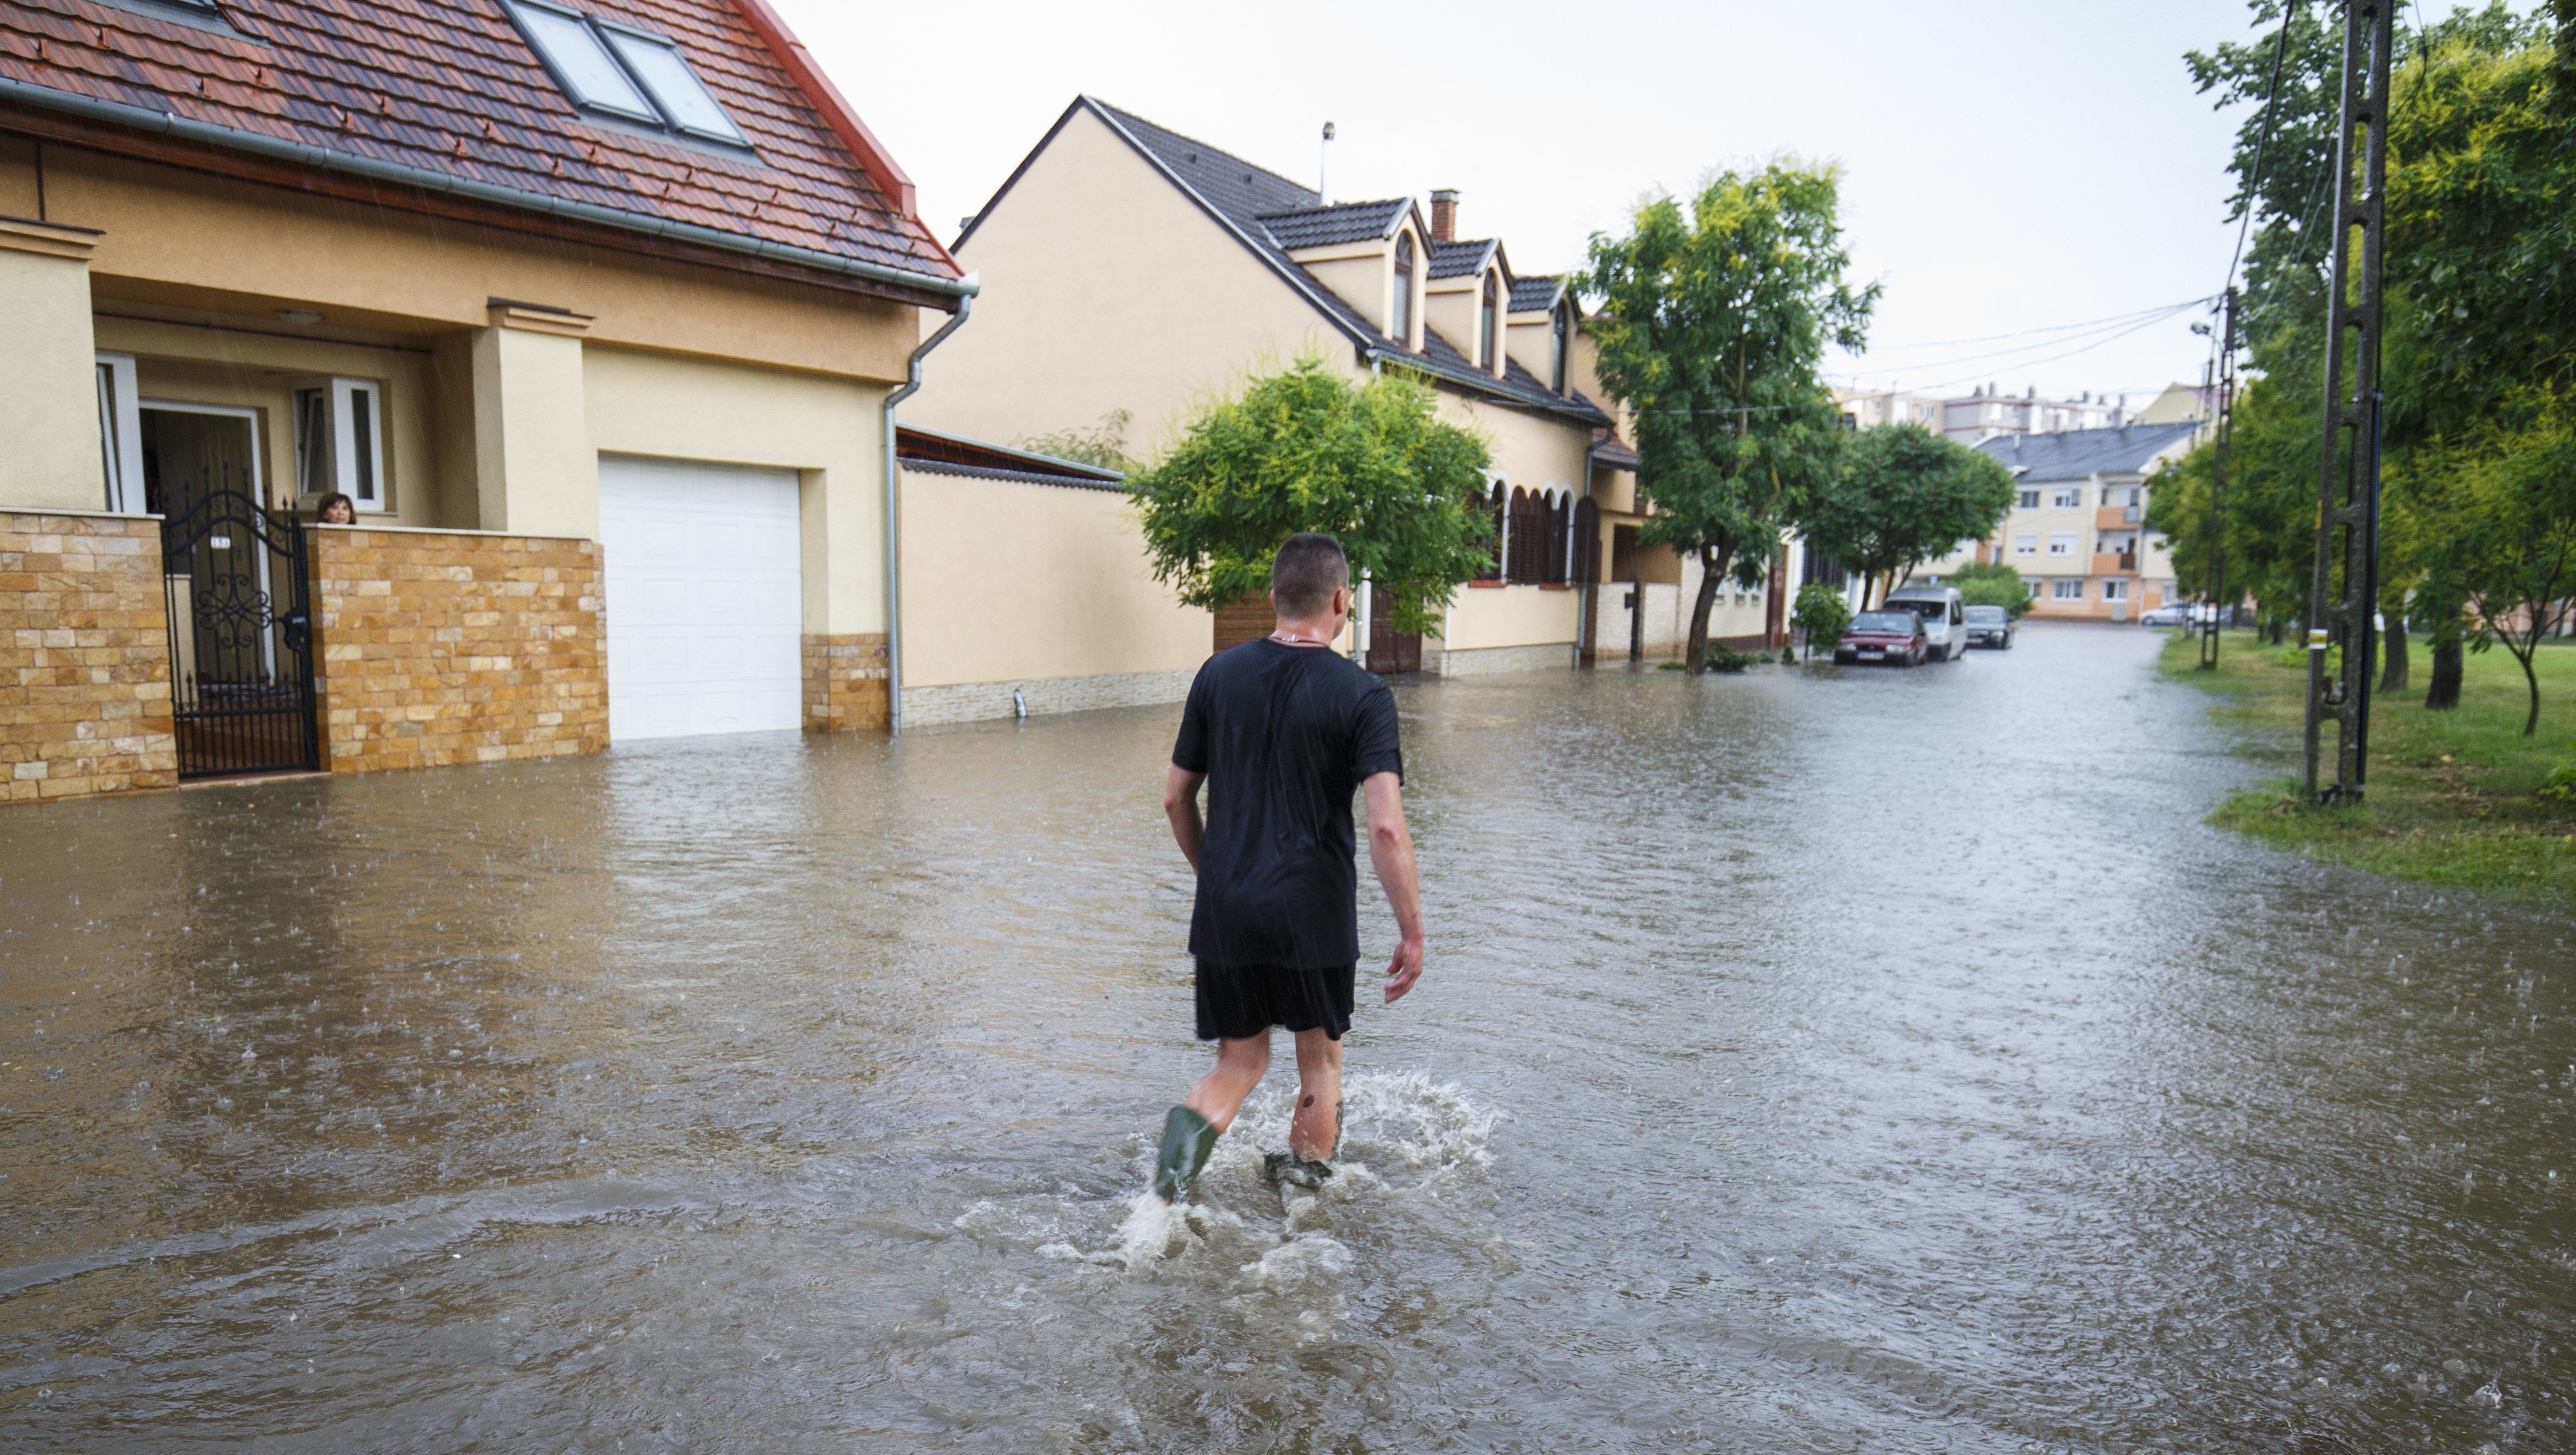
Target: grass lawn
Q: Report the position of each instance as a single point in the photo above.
(2454, 797)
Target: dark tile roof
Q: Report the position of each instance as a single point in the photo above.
(1529, 295)
(1342, 222)
(1457, 259)
(450, 87)
(1242, 194)
(2078, 454)
(939, 452)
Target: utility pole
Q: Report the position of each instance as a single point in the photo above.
(2343, 605)
(2225, 404)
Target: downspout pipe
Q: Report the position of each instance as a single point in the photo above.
(894, 509)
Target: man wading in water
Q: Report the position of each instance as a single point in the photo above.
(1281, 730)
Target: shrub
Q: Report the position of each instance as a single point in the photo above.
(2561, 787)
(1992, 583)
(1723, 658)
(1820, 613)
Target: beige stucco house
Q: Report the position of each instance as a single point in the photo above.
(594, 307)
(1129, 268)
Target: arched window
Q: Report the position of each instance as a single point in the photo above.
(1489, 325)
(1587, 543)
(1402, 327)
(1561, 331)
(1560, 537)
(1502, 533)
(1526, 555)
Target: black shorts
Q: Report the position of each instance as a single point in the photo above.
(1237, 1002)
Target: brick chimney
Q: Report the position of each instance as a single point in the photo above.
(1444, 215)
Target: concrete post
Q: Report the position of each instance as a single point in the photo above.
(535, 472)
(50, 453)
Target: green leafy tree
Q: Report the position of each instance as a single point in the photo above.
(1103, 444)
(1712, 324)
(1899, 496)
(1820, 615)
(2477, 313)
(1372, 464)
(2515, 530)
(1992, 583)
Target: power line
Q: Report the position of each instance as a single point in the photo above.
(2140, 322)
(2025, 332)
(2263, 144)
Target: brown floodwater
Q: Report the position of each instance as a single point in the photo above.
(1811, 1060)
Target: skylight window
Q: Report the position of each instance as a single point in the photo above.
(682, 96)
(624, 73)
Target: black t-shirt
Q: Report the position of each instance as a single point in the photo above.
(1285, 735)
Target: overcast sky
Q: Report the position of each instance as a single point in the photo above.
(2009, 167)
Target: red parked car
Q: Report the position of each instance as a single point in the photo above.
(1884, 636)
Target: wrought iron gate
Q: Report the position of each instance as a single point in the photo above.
(241, 640)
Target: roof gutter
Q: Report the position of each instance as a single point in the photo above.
(304, 154)
(894, 509)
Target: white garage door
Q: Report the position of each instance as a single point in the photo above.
(704, 603)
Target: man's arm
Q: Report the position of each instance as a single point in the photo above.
(1181, 806)
(1391, 852)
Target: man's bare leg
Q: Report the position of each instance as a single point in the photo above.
(1316, 1133)
(1239, 1068)
(1190, 1132)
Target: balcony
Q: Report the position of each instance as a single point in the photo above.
(2115, 563)
(2115, 517)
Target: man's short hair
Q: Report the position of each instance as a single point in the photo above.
(1302, 576)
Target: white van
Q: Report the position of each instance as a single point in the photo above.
(1945, 617)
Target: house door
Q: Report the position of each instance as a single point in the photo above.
(233, 583)
(1390, 650)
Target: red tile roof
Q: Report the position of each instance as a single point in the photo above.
(449, 87)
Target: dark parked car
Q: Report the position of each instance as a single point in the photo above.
(1884, 636)
(1990, 626)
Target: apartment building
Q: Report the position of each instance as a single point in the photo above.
(1985, 414)
(2076, 531)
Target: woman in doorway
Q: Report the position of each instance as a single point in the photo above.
(336, 509)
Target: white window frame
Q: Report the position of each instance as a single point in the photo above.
(2061, 543)
(2026, 543)
(2066, 588)
(616, 44)
(2067, 499)
(2029, 500)
(2115, 589)
(346, 455)
(120, 434)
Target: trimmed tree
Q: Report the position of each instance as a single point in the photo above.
(1711, 328)
(1900, 496)
(1371, 464)
(1992, 583)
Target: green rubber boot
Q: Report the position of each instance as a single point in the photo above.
(1187, 1140)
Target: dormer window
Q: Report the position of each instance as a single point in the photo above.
(1559, 335)
(1489, 325)
(1401, 328)
(617, 70)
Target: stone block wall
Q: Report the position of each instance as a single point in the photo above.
(442, 647)
(982, 701)
(84, 657)
(845, 681)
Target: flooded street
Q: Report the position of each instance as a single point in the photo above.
(1870, 1060)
